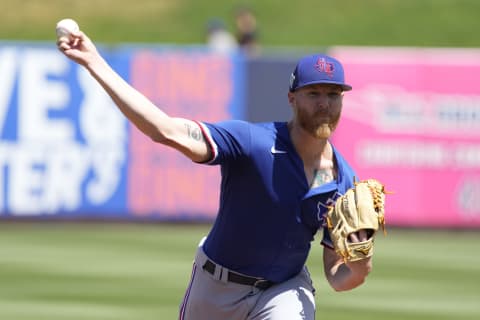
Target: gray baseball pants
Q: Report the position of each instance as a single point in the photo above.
(213, 297)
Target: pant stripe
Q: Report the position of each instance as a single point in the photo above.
(187, 293)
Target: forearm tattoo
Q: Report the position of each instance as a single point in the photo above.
(194, 132)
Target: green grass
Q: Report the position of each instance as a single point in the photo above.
(451, 23)
(125, 271)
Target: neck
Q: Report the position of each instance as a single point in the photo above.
(310, 148)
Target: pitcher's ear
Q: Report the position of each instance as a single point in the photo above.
(291, 97)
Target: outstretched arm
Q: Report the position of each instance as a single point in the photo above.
(182, 134)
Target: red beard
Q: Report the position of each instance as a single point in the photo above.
(320, 125)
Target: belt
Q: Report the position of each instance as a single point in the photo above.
(259, 283)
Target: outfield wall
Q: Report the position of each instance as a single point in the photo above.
(412, 121)
(68, 152)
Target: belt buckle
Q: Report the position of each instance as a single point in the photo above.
(262, 284)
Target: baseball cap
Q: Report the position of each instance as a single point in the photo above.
(318, 68)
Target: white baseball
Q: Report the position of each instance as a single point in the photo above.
(65, 27)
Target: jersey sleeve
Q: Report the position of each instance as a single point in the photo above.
(326, 240)
(228, 140)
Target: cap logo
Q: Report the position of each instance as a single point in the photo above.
(292, 80)
(323, 66)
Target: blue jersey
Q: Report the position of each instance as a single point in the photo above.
(268, 215)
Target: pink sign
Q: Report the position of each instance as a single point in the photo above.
(413, 122)
(193, 85)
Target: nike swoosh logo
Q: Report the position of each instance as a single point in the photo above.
(273, 150)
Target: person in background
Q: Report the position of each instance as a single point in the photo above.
(246, 30)
(219, 39)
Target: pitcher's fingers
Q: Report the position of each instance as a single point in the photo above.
(353, 237)
(79, 35)
(362, 235)
(63, 45)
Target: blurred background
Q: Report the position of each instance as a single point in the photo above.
(96, 222)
